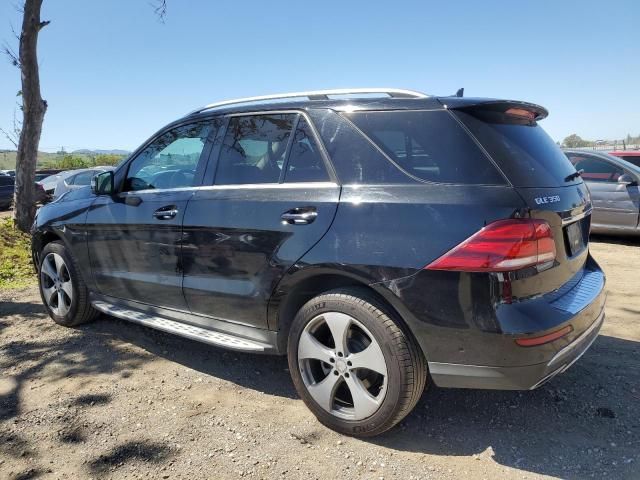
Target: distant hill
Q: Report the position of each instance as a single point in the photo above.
(86, 151)
(45, 159)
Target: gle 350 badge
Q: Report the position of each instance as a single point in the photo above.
(550, 199)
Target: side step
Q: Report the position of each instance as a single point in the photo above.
(211, 337)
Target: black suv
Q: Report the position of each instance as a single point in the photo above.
(379, 238)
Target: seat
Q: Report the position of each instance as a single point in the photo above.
(305, 165)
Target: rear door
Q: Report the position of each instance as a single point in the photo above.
(615, 204)
(271, 196)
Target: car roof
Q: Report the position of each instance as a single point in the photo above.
(353, 104)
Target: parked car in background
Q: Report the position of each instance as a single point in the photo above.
(70, 179)
(613, 183)
(631, 156)
(7, 189)
(11, 173)
(380, 243)
(74, 179)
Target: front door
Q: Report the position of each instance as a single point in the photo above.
(134, 236)
(615, 204)
(273, 198)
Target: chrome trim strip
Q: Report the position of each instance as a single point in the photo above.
(314, 93)
(248, 186)
(578, 342)
(575, 218)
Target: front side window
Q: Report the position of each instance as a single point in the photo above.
(595, 170)
(170, 161)
(305, 162)
(254, 149)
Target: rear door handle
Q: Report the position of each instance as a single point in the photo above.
(299, 216)
(166, 213)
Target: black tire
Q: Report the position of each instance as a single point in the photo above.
(80, 310)
(406, 365)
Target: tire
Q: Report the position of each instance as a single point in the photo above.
(321, 371)
(60, 280)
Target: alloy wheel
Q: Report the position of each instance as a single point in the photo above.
(342, 366)
(56, 285)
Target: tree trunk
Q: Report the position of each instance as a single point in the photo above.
(33, 110)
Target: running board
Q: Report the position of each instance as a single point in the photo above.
(199, 334)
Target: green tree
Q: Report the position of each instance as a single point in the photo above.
(574, 141)
(71, 161)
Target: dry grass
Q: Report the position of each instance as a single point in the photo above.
(16, 269)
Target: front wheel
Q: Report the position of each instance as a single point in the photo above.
(62, 288)
(355, 367)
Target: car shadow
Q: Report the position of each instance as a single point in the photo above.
(583, 422)
(265, 373)
(586, 414)
(628, 240)
(578, 415)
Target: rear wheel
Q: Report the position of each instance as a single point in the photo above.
(62, 288)
(353, 364)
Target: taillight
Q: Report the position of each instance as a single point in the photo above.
(501, 246)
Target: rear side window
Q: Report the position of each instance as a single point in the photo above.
(430, 145)
(254, 149)
(305, 162)
(520, 147)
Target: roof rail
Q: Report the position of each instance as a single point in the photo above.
(315, 95)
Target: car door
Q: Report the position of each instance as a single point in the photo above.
(274, 196)
(615, 203)
(134, 236)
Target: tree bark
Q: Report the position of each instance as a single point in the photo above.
(33, 110)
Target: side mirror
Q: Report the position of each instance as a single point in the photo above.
(102, 183)
(628, 180)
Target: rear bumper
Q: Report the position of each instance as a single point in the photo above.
(527, 377)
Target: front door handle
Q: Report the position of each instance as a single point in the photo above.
(299, 216)
(166, 213)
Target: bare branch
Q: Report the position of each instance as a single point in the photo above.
(9, 137)
(43, 24)
(12, 55)
(160, 9)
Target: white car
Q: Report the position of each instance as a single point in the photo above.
(56, 185)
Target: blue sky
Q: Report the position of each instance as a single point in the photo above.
(113, 74)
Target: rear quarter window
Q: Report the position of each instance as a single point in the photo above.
(428, 145)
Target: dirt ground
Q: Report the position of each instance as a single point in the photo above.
(116, 400)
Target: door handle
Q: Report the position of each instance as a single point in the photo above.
(299, 216)
(166, 213)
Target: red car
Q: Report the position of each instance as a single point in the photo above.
(631, 156)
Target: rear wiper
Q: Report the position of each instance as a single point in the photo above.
(573, 176)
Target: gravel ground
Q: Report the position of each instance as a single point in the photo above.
(115, 400)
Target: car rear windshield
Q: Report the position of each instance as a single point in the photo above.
(429, 145)
(520, 147)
